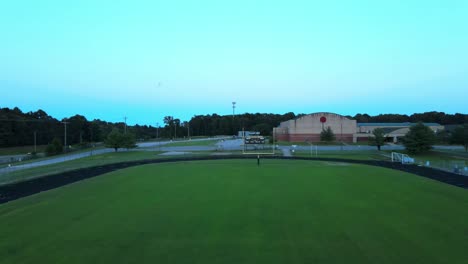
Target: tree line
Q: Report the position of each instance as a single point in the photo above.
(22, 129)
(19, 129)
(427, 117)
(211, 125)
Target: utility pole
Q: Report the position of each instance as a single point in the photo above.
(157, 136)
(233, 113)
(157, 130)
(65, 135)
(188, 130)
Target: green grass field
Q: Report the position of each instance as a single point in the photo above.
(41, 149)
(436, 158)
(355, 155)
(319, 143)
(232, 211)
(21, 150)
(207, 142)
(96, 160)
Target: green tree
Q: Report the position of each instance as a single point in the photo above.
(177, 129)
(114, 140)
(117, 140)
(264, 129)
(54, 148)
(419, 139)
(95, 132)
(128, 141)
(460, 136)
(169, 121)
(378, 139)
(327, 135)
(443, 137)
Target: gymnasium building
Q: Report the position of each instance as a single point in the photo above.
(308, 128)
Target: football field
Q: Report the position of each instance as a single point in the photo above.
(233, 211)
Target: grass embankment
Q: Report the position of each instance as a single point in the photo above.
(236, 212)
(436, 158)
(43, 157)
(41, 149)
(90, 161)
(334, 143)
(347, 154)
(96, 160)
(440, 158)
(21, 150)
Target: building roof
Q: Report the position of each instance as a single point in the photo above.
(394, 124)
(389, 130)
(318, 113)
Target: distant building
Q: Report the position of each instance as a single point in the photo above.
(308, 128)
(248, 133)
(392, 131)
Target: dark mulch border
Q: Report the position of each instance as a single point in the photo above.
(18, 190)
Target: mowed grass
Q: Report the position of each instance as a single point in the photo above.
(348, 154)
(21, 150)
(205, 142)
(90, 161)
(40, 149)
(232, 211)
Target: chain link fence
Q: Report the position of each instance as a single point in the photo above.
(454, 166)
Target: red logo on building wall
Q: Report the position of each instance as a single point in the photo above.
(323, 119)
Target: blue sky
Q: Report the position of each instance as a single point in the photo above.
(149, 59)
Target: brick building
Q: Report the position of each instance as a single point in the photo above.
(308, 128)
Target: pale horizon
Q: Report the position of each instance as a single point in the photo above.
(150, 59)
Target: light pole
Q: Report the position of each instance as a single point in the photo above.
(157, 130)
(65, 134)
(188, 130)
(157, 136)
(176, 123)
(233, 114)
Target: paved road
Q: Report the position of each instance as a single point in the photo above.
(150, 146)
(54, 160)
(230, 144)
(161, 143)
(224, 144)
(286, 152)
